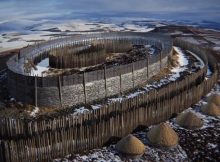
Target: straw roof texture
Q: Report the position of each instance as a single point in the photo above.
(211, 109)
(189, 120)
(163, 135)
(130, 145)
(214, 98)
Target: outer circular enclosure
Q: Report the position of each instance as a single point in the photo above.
(85, 85)
(62, 133)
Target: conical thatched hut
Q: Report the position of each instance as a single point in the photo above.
(189, 120)
(163, 135)
(130, 146)
(214, 98)
(211, 109)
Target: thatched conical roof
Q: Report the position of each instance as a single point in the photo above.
(163, 135)
(189, 120)
(214, 98)
(130, 145)
(211, 109)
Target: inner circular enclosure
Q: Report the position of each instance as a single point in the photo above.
(79, 55)
(86, 68)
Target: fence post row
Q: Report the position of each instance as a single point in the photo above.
(44, 139)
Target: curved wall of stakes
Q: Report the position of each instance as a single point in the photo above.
(48, 138)
(63, 58)
(73, 56)
(68, 90)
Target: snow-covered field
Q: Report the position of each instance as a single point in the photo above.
(20, 33)
(24, 34)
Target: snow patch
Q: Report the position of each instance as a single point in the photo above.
(34, 112)
(44, 63)
(202, 64)
(41, 67)
(137, 28)
(80, 110)
(39, 71)
(183, 62)
(97, 106)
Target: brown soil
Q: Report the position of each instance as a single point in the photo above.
(14, 109)
(198, 143)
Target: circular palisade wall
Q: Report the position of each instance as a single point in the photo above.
(85, 87)
(63, 133)
(77, 56)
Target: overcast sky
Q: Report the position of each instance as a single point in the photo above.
(12, 9)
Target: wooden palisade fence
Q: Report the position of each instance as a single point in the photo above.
(45, 139)
(68, 88)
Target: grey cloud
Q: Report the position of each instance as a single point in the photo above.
(140, 5)
(22, 8)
